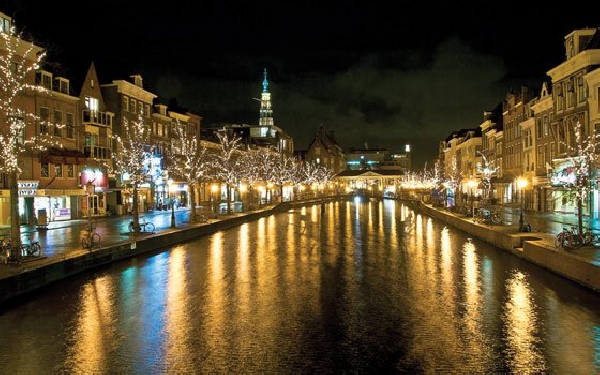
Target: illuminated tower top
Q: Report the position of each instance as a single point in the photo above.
(266, 113)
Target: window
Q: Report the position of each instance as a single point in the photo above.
(57, 123)
(538, 127)
(63, 86)
(44, 79)
(70, 126)
(58, 170)
(91, 103)
(44, 119)
(70, 170)
(132, 105)
(45, 170)
(4, 25)
(581, 89)
(125, 104)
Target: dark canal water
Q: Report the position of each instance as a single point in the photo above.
(344, 289)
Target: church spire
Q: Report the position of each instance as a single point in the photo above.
(265, 82)
(266, 113)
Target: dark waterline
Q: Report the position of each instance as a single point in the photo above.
(359, 287)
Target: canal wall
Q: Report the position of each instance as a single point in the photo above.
(537, 248)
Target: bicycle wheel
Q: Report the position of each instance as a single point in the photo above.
(577, 241)
(35, 249)
(496, 219)
(149, 227)
(560, 240)
(95, 238)
(131, 229)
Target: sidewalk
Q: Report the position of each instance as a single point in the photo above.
(61, 240)
(547, 225)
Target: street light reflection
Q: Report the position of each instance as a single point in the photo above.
(95, 330)
(521, 326)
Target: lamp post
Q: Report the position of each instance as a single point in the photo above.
(521, 183)
(170, 186)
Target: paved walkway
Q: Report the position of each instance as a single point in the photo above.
(62, 238)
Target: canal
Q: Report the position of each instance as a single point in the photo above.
(343, 287)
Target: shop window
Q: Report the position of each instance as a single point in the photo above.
(45, 170)
(58, 170)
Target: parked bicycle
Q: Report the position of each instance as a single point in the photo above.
(590, 238)
(569, 239)
(31, 249)
(145, 226)
(4, 251)
(90, 238)
(487, 216)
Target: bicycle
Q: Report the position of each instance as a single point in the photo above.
(590, 238)
(144, 226)
(487, 216)
(203, 219)
(31, 249)
(569, 239)
(89, 238)
(4, 251)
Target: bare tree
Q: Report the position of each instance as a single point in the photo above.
(188, 159)
(19, 60)
(582, 158)
(227, 162)
(132, 158)
(254, 167)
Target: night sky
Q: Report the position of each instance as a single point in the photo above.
(375, 73)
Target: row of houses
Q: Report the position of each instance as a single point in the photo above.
(529, 147)
(71, 180)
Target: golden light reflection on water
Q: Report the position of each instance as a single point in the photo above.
(216, 297)
(473, 335)
(446, 264)
(95, 332)
(178, 322)
(521, 326)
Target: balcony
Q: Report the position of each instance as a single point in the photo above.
(97, 118)
(97, 152)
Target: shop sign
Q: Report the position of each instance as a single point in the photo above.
(27, 188)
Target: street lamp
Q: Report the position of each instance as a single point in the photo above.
(522, 184)
(170, 187)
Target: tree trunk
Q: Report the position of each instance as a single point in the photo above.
(136, 209)
(192, 202)
(15, 219)
(228, 195)
(579, 214)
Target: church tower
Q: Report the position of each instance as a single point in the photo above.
(266, 112)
